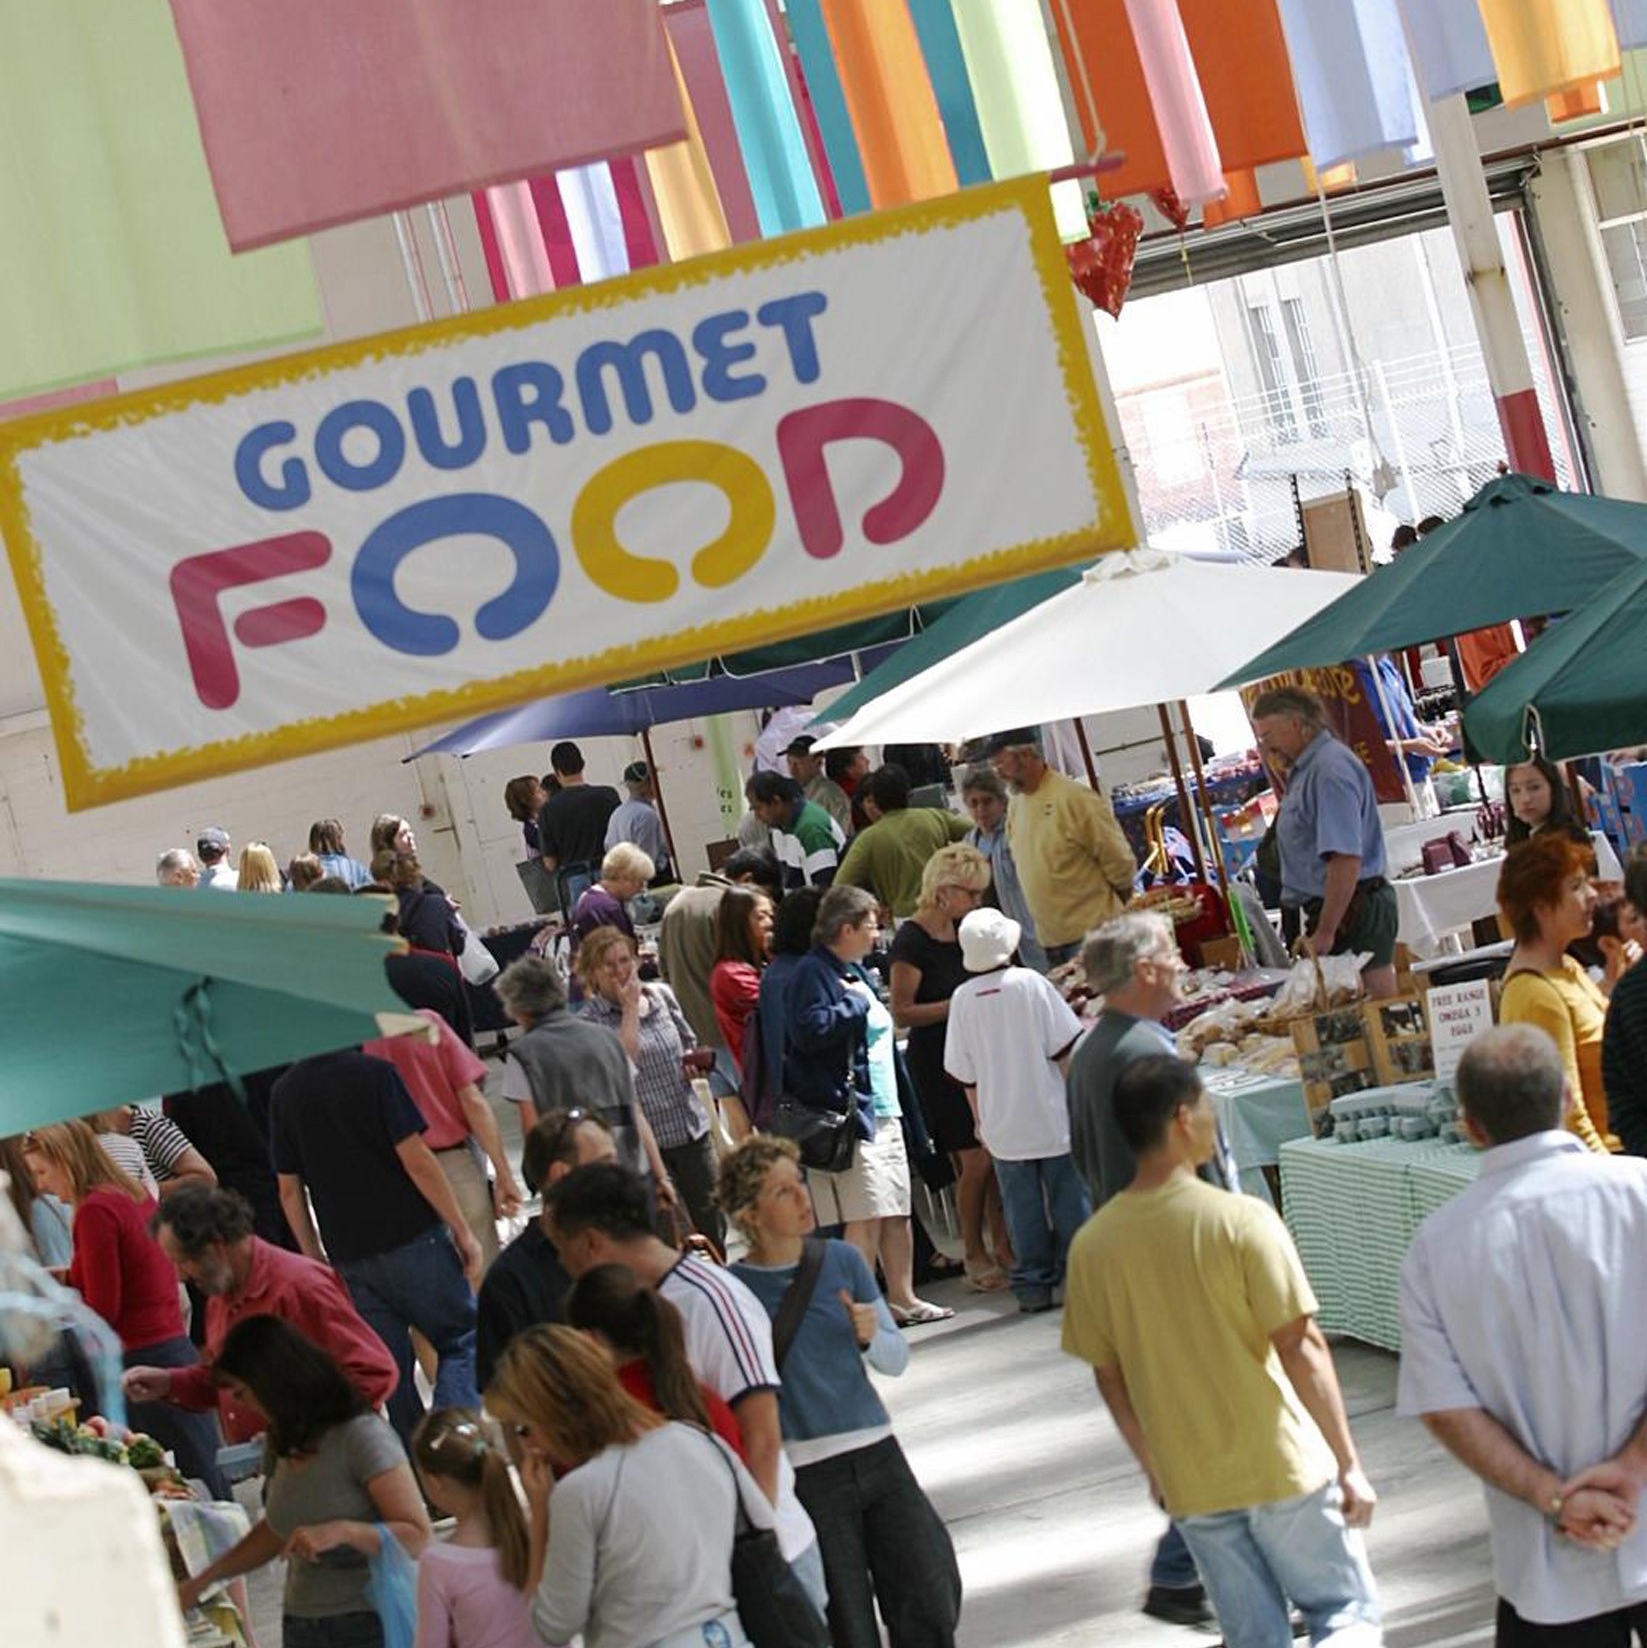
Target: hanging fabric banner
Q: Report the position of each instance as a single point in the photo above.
(327, 547)
(1630, 21)
(1449, 46)
(823, 81)
(694, 43)
(1020, 107)
(595, 222)
(112, 255)
(517, 261)
(769, 130)
(891, 101)
(1354, 78)
(1543, 47)
(689, 204)
(1197, 172)
(315, 113)
(1244, 73)
(946, 69)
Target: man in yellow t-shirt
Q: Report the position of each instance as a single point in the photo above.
(1194, 1311)
(1075, 863)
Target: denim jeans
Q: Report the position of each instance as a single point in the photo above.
(1253, 1561)
(1045, 1203)
(335, 1631)
(1058, 954)
(882, 1542)
(419, 1285)
(1173, 1568)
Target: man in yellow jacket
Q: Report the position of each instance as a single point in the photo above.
(1074, 861)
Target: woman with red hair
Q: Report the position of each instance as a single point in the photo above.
(1545, 894)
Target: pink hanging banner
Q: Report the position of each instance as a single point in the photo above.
(636, 211)
(688, 26)
(1180, 107)
(314, 113)
(556, 232)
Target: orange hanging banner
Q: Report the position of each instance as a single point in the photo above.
(1241, 201)
(1245, 75)
(1545, 47)
(890, 101)
(1577, 104)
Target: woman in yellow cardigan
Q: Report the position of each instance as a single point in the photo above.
(1545, 894)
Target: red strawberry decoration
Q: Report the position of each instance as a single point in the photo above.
(1101, 265)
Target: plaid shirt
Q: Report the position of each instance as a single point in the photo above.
(661, 1085)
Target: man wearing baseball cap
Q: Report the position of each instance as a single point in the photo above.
(216, 868)
(637, 821)
(807, 770)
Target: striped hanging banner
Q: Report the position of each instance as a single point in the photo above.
(690, 213)
(1020, 106)
(774, 149)
(894, 110)
(700, 66)
(951, 85)
(823, 82)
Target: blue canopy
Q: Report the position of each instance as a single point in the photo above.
(602, 712)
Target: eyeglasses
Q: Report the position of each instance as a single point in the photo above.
(570, 1120)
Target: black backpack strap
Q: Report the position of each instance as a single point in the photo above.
(797, 1296)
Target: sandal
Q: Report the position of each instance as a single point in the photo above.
(941, 1268)
(987, 1278)
(920, 1313)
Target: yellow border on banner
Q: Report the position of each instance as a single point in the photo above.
(86, 785)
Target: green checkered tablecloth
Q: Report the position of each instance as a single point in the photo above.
(1353, 1210)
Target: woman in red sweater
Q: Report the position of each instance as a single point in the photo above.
(119, 1270)
(743, 935)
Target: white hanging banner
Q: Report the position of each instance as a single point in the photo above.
(556, 493)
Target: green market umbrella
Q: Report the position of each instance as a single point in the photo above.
(965, 621)
(1581, 687)
(1520, 548)
(116, 994)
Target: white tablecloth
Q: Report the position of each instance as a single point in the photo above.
(1433, 907)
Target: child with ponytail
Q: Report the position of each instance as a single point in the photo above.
(642, 1331)
(470, 1587)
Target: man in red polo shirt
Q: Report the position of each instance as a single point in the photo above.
(207, 1235)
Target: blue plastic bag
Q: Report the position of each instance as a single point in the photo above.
(392, 1590)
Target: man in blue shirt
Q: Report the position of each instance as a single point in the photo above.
(1332, 845)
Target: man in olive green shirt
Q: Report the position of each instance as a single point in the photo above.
(1074, 861)
(888, 857)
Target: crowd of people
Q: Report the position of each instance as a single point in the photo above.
(671, 1357)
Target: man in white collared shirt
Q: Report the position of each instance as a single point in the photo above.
(1524, 1350)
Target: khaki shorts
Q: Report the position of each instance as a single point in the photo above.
(876, 1186)
(473, 1193)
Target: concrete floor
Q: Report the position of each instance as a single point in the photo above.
(1048, 1512)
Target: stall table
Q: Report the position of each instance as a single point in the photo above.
(1431, 908)
(1258, 1114)
(1353, 1210)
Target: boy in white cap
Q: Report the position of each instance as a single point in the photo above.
(1009, 1040)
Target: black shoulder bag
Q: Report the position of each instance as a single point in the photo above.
(772, 1603)
(797, 1296)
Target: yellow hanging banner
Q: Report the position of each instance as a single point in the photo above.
(1545, 47)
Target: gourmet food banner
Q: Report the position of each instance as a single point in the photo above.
(386, 534)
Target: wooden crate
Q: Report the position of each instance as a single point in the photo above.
(1398, 1032)
(1335, 1057)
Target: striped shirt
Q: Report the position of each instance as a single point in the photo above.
(163, 1143)
(661, 1084)
(729, 1344)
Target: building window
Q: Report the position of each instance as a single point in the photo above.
(1304, 364)
(1618, 175)
(1272, 373)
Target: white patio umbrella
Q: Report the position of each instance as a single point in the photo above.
(1143, 627)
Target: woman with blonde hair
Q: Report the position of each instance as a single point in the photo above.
(926, 971)
(624, 873)
(121, 1273)
(664, 1052)
(632, 1515)
(259, 870)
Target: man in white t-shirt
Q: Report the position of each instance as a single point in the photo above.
(597, 1215)
(1008, 1044)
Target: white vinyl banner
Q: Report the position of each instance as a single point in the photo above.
(380, 535)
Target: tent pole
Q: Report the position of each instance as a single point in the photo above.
(1185, 812)
(1206, 796)
(1086, 753)
(663, 812)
